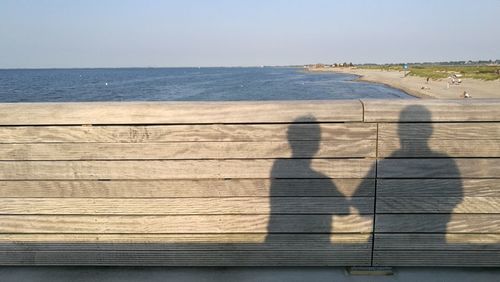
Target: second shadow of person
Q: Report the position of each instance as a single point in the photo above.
(416, 155)
(281, 219)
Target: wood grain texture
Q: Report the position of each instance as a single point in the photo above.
(437, 188)
(184, 169)
(189, 258)
(183, 206)
(467, 205)
(179, 224)
(425, 110)
(178, 112)
(439, 168)
(187, 150)
(440, 131)
(435, 242)
(168, 242)
(189, 183)
(438, 223)
(437, 148)
(186, 133)
(195, 248)
(437, 258)
(186, 188)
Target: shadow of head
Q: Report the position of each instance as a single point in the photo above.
(407, 132)
(304, 128)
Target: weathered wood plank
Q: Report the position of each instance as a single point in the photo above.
(186, 133)
(468, 205)
(440, 131)
(185, 169)
(169, 242)
(198, 242)
(438, 148)
(181, 224)
(183, 206)
(437, 188)
(187, 188)
(272, 246)
(178, 112)
(439, 168)
(438, 223)
(437, 258)
(189, 150)
(424, 110)
(435, 242)
(190, 258)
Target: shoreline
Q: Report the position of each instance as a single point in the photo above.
(407, 91)
(418, 87)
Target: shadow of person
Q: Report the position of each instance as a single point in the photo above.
(414, 147)
(281, 219)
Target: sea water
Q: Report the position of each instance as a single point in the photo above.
(184, 84)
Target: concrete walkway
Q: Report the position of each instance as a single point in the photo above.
(246, 274)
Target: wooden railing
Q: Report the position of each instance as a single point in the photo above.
(350, 183)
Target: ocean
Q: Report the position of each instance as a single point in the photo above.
(184, 84)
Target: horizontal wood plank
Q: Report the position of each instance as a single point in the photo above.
(171, 242)
(438, 223)
(187, 133)
(467, 205)
(437, 188)
(433, 148)
(425, 110)
(183, 206)
(437, 242)
(187, 188)
(187, 150)
(439, 168)
(440, 131)
(437, 258)
(178, 112)
(189, 258)
(182, 224)
(185, 169)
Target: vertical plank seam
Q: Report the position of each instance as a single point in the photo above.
(375, 196)
(376, 180)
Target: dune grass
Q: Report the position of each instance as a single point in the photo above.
(482, 72)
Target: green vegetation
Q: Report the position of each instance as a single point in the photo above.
(483, 72)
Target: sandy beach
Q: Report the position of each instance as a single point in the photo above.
(417, 86)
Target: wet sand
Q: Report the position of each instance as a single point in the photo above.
(417, 86)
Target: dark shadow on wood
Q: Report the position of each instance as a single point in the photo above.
(324, 220)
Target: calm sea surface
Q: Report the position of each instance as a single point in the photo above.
(183, 84)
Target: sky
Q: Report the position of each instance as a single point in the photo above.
(191, 33)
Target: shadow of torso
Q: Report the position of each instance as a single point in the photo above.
(440, 214)
(282, 221)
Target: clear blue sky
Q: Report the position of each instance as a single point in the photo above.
(119, 33)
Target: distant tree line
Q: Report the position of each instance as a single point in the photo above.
(334, 65)
(447, 63)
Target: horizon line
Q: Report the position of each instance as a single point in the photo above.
(235, 66)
